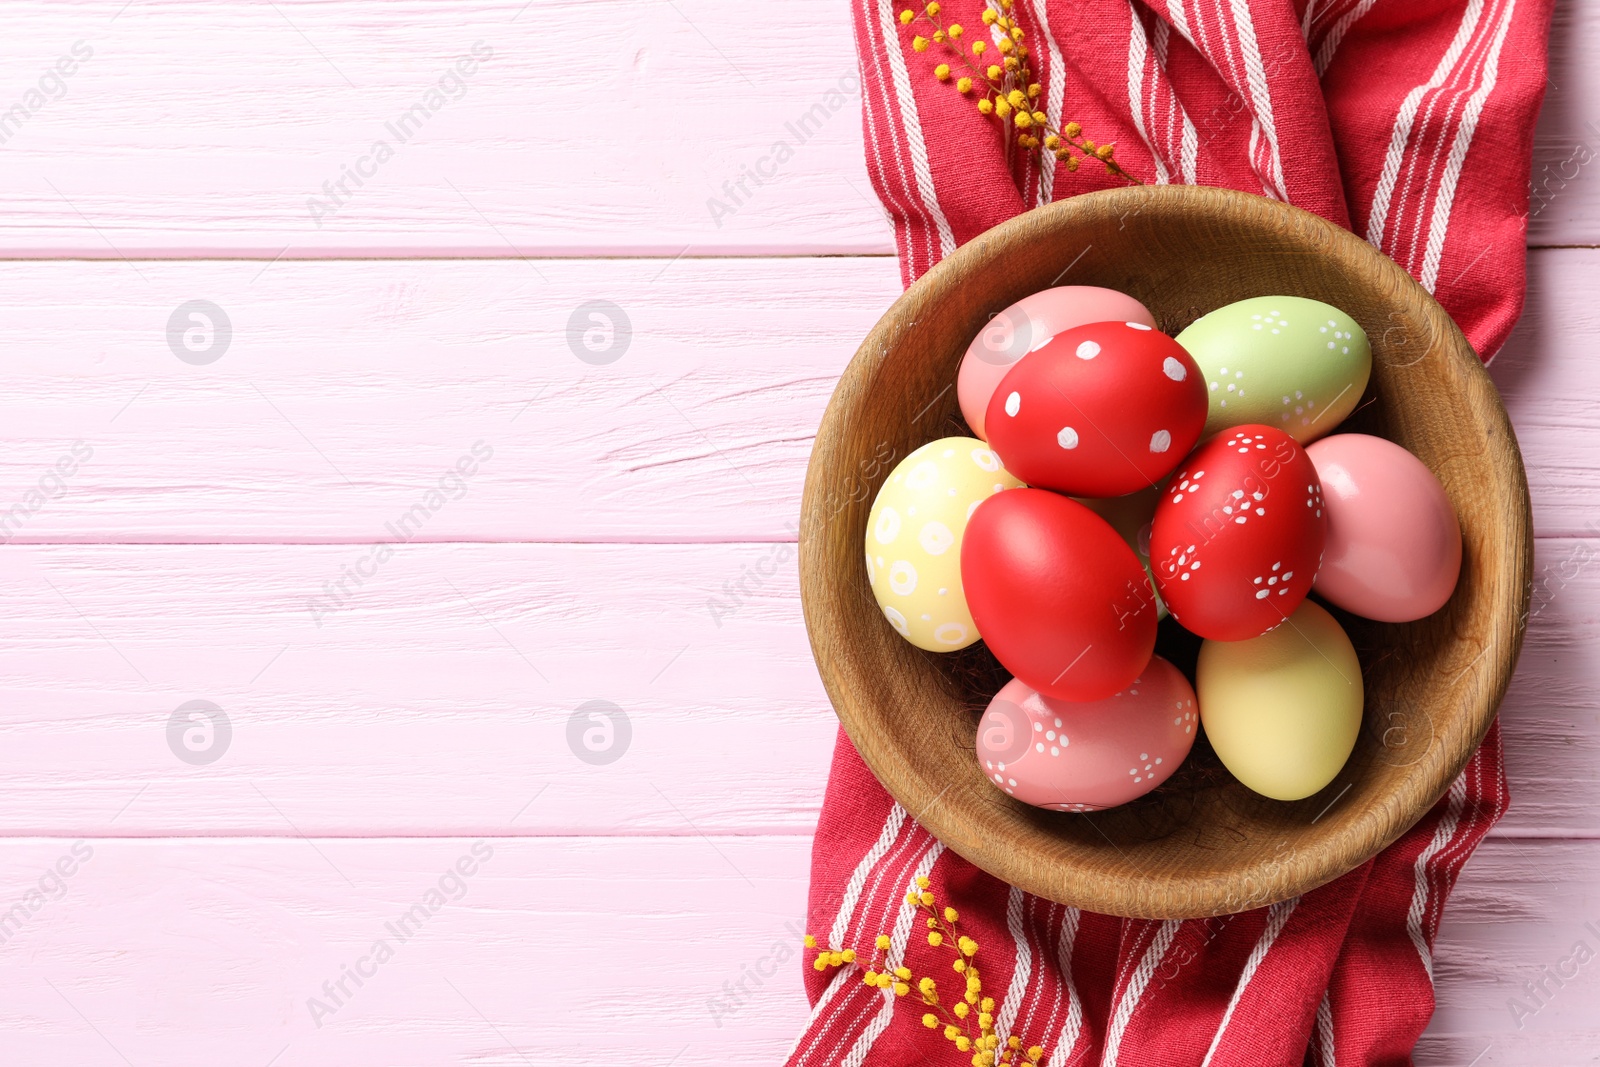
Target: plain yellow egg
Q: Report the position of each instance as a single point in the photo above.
(913, 541)
(1283, 710)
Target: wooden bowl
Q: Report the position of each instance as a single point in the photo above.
(1202, 844)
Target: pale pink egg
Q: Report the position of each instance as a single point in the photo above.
(1070, 756)
(1026, 326)
(1394, 544)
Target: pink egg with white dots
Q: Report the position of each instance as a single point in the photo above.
(1085, 756)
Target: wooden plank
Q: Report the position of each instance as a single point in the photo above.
(1550, 382)
(285, 97)
(437, 696)
(418, 709)
(1564, 206)
(210, 129)
(196, 953)
(1549, 717)
(1550, 1048)
(348, 389)
(1519, 908)
(544, 936)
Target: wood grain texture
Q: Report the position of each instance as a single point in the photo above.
(1564, 204)
(281, 99)
(389, 371)
(1550, 717)
(201, 130)
(1200, 847)
(191, 953)
(1514, 919)
(436, 699)
(350, 388)
(407, 713)
(1550, 382)
(199, 953)
(207, 129)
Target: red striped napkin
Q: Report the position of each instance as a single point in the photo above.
(1411, 121)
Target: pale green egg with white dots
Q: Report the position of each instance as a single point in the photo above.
(1285, 361)
(914, 536)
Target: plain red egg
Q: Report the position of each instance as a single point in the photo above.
(1101, 410)
(1239, 533)
(1059, 597)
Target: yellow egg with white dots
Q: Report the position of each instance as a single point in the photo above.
(913, 543)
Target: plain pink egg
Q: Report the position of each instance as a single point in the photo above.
(1071, 756)
(1026, 326)
(1394, 543)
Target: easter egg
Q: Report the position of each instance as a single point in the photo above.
(1131, 516)
(914, 534)
(1394, 542)
(1059, 597)
(1238, 534)
(1026, 326)
(1101, 410)
(1283, 710)
(1087, 756)
(1285, 361)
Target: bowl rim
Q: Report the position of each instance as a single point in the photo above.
(1165, 894)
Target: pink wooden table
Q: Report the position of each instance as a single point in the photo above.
(397, 509)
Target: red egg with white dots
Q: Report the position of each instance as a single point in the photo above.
(1087, 756)
(1239, 534)
(1059, 597)
(1104, 409)
(1025, 327)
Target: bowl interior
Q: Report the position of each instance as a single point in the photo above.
(1202, 844)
